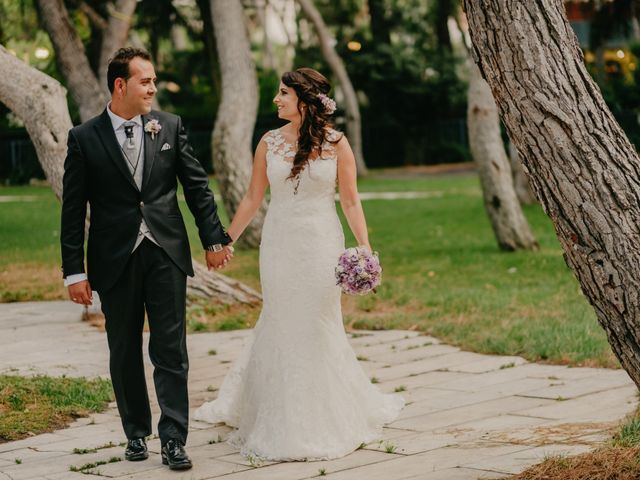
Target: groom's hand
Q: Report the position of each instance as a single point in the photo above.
(81, 293)
(219, 259)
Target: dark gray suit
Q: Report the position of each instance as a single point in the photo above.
(153, 277)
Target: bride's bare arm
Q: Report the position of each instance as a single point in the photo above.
(255, 194)
(348, 188)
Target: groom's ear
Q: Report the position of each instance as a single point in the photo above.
(120, 86)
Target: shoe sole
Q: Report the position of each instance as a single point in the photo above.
(137, 457)
(183, 466)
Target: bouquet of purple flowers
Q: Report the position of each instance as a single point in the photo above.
(358, 271)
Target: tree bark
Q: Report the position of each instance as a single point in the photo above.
(235, 121)
(443, 10)
(500, 201)
(354, 122)
(209, 40)
(380, 28)
(520, 182)
(72, 59)
(268, 61)
(41, 104)
(582, 167)
(115, 35)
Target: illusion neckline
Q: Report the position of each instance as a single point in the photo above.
(291, 146)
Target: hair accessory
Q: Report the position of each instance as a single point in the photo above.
(328, 103)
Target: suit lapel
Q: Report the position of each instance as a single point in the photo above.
(110, 143)
(150, 149)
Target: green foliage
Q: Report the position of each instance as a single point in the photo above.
(629, 434)
(409, 83)
(623, 97)
(39, 404)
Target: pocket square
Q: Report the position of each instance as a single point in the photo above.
(166, 146)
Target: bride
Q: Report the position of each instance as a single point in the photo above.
(297, 392)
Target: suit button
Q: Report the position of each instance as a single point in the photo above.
(141, 204)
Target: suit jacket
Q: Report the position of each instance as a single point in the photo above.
(95, 171)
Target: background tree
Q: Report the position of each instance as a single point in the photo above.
(581, 164)
(41, 103)
(72, 59)
(231, 143)
(352, 109)
(509, 224)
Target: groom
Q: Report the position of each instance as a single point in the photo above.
(124, 163)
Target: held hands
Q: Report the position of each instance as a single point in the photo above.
(81, 293)
(219, 259)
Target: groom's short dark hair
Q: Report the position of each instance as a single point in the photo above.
(119, 64)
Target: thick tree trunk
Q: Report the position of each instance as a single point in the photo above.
(233, 130)
(209, 40)
(507, 220)
(380, 27)
(115, 35)
(582, 167)
(41, 104)
(520, 181)
(354, 123)
(443, 10)
(268, 61)
(72, 59)
(211, 284)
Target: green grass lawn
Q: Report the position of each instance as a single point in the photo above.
(31, 405)
(443, 273)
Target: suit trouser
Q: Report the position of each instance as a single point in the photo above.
(153, 282)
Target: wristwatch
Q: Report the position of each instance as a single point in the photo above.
(218, 247)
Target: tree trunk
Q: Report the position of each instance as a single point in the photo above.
(509, 223)
(268, 61)
(520, 182)
(354, 125)
(582, 167)
(209, 40)
(41, 104)
(235, 121)
(72, 60)
(115, 35)
(380, 27)
(211, 284)
(443, 10)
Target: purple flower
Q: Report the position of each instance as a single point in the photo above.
(358, 271)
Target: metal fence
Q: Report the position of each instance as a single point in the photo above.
(445, 141)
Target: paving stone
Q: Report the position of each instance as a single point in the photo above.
(598, 407)
(489, 364)
(516, 462)
(415, 351)
(424, 464)
(466, 417)
(299, 470)
(582, 386)
(457, 473)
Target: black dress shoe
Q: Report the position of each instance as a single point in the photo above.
(136, 450)
(174, 455)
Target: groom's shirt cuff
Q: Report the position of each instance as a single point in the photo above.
(71, 279)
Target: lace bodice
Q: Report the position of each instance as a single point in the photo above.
(317, 179)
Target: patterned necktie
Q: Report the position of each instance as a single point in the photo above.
(131, 153)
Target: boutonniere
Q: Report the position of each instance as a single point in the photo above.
(153, 127)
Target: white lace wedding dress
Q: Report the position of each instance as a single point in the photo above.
(297, 392)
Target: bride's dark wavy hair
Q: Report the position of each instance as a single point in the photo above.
(308, 84)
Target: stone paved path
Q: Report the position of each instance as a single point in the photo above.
(469, 415)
